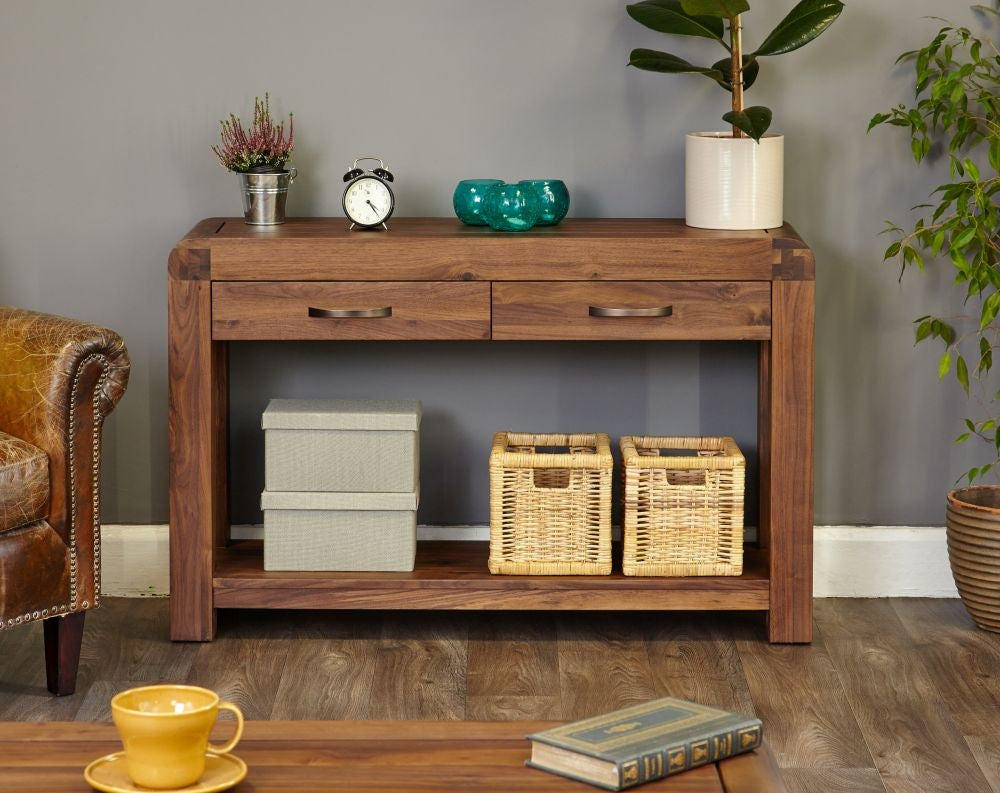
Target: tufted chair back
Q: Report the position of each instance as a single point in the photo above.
(59, 379)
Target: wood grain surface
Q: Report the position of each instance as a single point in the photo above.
(602, 662)
(833, 780)
(701, 310)
(903, 716)
(789, 448)
(454, 575)
(884, 714)
(443, 249)
(417, 311)
(197, 443)
(349, 756)
(428, 278)
(695, 657)
(804, 707)
(986, 750)
(420, 668)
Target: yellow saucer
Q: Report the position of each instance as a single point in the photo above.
(222, 771)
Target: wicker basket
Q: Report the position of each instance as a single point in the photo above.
(550, 509)
(683, 514)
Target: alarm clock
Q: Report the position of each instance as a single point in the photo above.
(368, 199)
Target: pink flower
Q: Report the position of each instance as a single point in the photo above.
(264, 144)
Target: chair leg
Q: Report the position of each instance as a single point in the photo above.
(63, 637)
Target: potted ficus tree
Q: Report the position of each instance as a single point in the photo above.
(259, 156)
(955, 120)
(733, 179)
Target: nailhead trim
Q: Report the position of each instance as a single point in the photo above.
(96, 498)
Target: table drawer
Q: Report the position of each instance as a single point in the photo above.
(350, 310)
(623, 310)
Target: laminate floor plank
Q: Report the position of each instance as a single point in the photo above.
(986, 750)
(244, 671)
(135, 644)
(512, 655)
(913, 678)
(799, 696)
(854, 617)
(22, 681)
(692, 657)
(299, 624)
(915, 744)
(513, 708)
(603, 664)
(832, 780)
(335, 652)
(95, 701)
(963, 662)
(933, 619)
(420, 667)
(338, 684)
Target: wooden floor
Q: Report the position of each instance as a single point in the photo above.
(895, 695)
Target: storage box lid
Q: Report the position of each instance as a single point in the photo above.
(341, 414)
(328, 500)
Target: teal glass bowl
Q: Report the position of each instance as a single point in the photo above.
(511, 207)
(553, 200)
(468, 199)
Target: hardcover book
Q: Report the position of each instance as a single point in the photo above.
(645, 742)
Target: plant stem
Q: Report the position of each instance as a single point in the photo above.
(736, 42)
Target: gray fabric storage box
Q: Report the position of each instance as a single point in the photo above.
(339, 531)
(353, 446)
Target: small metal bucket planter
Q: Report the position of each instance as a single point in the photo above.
(264, 196)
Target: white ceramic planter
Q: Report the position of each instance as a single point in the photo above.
(733, 183)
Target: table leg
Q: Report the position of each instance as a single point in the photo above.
(787, 453)
(198, 379)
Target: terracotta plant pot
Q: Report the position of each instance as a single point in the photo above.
(733, 183)
(974, 551)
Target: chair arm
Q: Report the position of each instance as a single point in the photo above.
(59, 379)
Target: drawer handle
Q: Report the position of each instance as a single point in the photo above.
(659, 311)
(385, 311)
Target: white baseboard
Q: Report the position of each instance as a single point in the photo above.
(848, 561)
(881, 561)
(135, 560)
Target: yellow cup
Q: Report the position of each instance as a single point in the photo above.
(164, 730)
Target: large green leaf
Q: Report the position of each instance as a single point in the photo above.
(751, 66)
(804, 23)
(655, 61)
(754, 121)
(715, 8)
(667, 16)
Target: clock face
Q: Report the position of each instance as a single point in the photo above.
(368, 201)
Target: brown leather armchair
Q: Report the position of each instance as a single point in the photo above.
(59, 378)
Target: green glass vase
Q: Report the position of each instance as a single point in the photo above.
(553, 198)
(468, 199)
(511, 207)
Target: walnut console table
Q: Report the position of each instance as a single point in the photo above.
(433, 278)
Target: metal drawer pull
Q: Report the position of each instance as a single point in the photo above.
(385, 311)
(660, 311)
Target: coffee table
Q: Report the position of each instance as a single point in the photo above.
(398, 756)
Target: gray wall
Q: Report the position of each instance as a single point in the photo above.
(110, 106)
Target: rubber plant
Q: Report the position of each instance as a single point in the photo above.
(956, 111)
(720, 21)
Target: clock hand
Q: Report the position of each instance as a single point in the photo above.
(374, 208)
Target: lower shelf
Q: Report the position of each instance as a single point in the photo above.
(453, 575)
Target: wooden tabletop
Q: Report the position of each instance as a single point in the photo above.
(398, 756)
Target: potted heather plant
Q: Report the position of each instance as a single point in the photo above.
(955, 120)
(259, 156)
(733, 179)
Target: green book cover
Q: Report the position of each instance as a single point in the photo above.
(644, 742)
